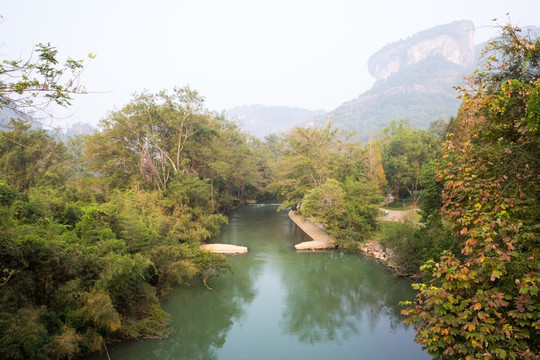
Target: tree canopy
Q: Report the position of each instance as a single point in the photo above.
(94, 231)
(405, 151)
(326, 174)
(484, 302)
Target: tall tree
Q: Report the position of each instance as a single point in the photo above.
(405, 151)
(233, 167)
(326, 203)
(150, 136)
(310, 157)
(485, 303)
(27, 155)
(373, 163)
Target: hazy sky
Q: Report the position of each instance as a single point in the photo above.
(307, 53)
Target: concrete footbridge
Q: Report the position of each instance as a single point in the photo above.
(321, 239)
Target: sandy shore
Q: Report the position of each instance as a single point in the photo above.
(224, 248)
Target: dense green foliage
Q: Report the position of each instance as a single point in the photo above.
(405, 151)
(94, 231)
(332, 178)
(169, 139)
(483, 303)
(327, 175)
(413, 244)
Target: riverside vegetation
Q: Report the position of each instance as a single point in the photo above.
(97, 229)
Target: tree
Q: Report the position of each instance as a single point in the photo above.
(309, 157)
(326, 203)
(438, 127)
(363, 199)
(27, 156)
(237, 167)
(373, 163)
(405, 151)
(431, 192)
(348, 209)
(484, 303)
(34, 84)
(150, 136)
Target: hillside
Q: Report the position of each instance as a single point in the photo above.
(415, 82)
(415, 79)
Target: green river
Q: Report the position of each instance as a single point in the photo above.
(280, 304)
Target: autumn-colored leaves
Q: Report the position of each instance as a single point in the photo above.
(484, 303)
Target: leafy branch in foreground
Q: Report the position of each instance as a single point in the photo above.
(39, 81)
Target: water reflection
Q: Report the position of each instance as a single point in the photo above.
(280, 304)
(329, 295)
(203, 318)
(200, 319)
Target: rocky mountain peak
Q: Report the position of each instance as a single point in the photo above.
(454, 42)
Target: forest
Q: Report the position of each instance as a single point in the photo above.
(96, 230)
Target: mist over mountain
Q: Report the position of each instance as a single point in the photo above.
(80, 128)
(415, 80)
(261, 120)
(75, 129)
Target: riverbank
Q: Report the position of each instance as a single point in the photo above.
(301, 300)
(371, 248)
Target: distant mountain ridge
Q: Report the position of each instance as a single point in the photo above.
(78, 128)
(262, 120)
(415, 80)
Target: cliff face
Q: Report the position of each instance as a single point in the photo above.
(415, 79)
(454, 42)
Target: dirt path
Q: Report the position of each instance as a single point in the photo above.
(396, 215)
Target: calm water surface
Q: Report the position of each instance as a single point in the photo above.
(280, 304)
